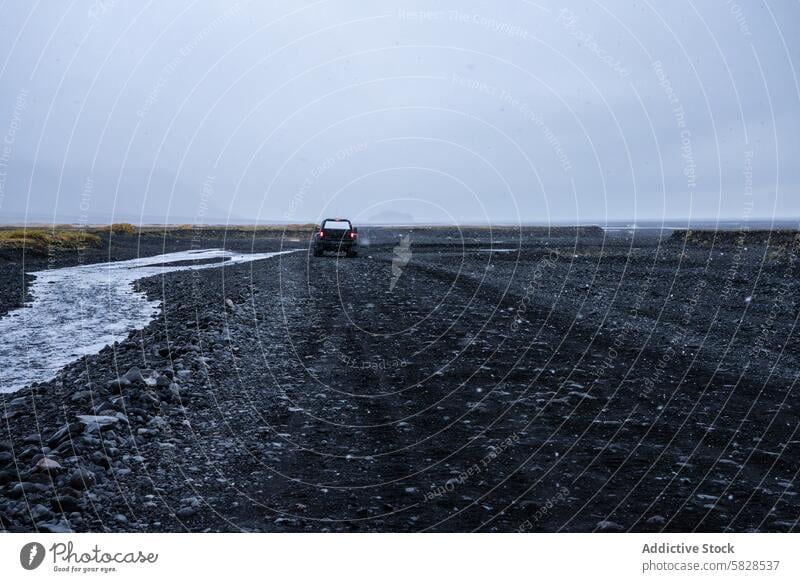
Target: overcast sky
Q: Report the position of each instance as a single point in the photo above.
(440, 112)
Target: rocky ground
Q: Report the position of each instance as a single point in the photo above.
(556, 383)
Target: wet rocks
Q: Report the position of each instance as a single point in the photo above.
(7, 477)
(40, 513)
(134, 379)
(609, 526)
(135, 376)
(188, 508)
(65, 433)
(96, 423)
(61, 526)
(118, 385)
(81, 396)
(65, 504)
(81, 479)
(185, 512)
(158, 423)
(25, 488)
(48, 464)
(19, 402)
(101, 459)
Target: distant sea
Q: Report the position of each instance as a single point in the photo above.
(759, 224)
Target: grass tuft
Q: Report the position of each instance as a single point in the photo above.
(42, 241)
(118, 228)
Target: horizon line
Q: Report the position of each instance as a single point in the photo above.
(632, 222)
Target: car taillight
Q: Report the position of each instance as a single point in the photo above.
(352, 234)
(321, 234)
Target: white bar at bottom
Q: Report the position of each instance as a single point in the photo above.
(390, 557)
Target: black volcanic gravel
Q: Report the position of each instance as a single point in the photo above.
(597, 383)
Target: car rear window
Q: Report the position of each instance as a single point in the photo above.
(337, 224)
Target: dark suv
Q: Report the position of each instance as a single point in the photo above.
(338, 235)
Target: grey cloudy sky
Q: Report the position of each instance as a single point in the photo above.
(447, 112)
